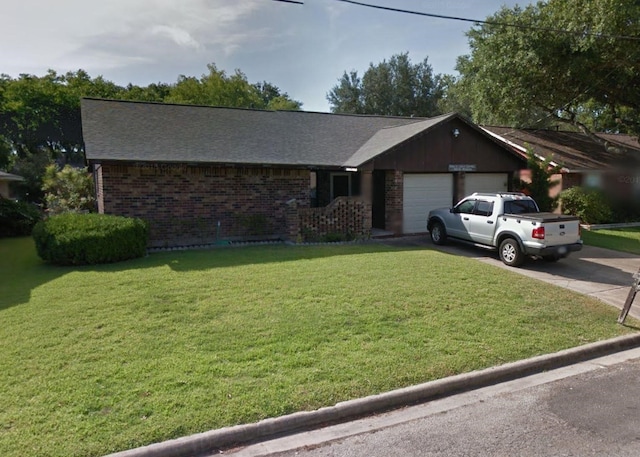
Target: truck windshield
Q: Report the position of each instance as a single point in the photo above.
(520, 206)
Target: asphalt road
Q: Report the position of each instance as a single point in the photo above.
(587, 409)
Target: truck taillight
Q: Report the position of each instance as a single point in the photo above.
(538, 233)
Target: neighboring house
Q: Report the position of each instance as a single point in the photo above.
(5, 183)
(612, 165)
(201, 174)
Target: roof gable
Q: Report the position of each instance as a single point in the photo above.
(389, 137)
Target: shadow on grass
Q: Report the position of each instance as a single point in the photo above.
(225, 257)
(21, 271)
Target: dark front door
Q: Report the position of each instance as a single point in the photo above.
(341, 185)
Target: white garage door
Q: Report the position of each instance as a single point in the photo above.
(422, 193)
(486, 182)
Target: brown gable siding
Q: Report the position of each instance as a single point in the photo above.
(435, 150)
(183, 204)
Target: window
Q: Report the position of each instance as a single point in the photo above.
(520, 206)
(484, 208)
(466, 207)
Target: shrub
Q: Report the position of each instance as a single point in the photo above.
(67, 190)
(591, 206)
(79, 239)
(17, 218)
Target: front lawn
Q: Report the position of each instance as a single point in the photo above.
(100, 359)
(623, 239)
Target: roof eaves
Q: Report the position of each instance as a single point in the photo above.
(523, 150)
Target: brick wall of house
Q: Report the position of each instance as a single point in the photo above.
(346, 217)
(184, 204)
(394, 182)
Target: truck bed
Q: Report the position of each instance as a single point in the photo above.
(544, 217)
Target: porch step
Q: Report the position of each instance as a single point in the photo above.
(380, 233)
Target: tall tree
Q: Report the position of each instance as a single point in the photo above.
(216, 88)
(568, 61)
(396, 87)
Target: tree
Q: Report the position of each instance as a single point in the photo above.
(219, 89)
(567, 61)
(274, 99)
(392, 88)
(68, 190)
(346, 97)
(540, 182)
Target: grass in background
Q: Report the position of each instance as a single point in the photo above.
(100, 359)
(623, 239)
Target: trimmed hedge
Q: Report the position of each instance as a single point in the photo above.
(87, 239)
(17, 218)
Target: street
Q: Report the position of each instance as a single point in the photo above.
(587, 409)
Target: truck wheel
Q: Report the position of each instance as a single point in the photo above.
(438, 234)
(510, 253)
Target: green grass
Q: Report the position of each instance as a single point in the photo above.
(624, 239)
(99, 359)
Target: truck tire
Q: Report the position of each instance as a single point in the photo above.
(510, 253)
(438, 233)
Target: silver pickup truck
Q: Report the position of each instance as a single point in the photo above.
(509, 222)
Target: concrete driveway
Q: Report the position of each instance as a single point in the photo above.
(599, 273)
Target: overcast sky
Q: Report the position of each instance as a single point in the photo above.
(302, 49)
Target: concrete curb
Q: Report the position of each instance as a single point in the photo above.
(211, 441)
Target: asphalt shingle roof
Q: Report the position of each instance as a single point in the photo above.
(575, 151)
(134, 131)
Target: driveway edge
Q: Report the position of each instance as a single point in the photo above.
(214, 440)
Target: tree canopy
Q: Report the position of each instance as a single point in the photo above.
(396, 87)
(216, 88)
(575, 62)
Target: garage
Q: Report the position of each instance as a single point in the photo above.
(486, 182)
(423, 192)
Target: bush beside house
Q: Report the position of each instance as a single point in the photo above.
(85, 239)
(590, 205)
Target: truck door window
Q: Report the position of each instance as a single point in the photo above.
(483, 208)
(466, 207)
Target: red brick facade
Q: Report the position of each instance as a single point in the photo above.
(394, 181)
(349, 217)
(184, 204)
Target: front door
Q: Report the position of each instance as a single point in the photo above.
(378, 200)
